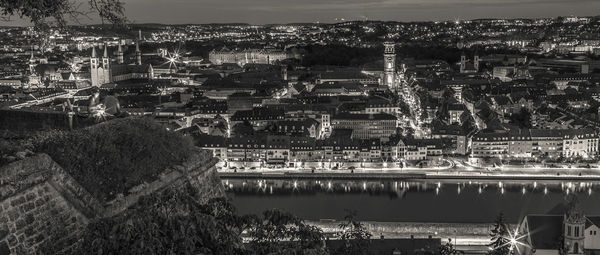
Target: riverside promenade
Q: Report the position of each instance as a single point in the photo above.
(507, 173)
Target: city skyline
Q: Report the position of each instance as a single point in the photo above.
(179, 127)
(273, 12)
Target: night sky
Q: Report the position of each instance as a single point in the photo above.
(287, 11)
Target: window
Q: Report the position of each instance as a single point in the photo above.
(576, 231)
(568, 230)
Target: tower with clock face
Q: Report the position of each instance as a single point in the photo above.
(389, 61)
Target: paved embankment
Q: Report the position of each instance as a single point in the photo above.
(438, 175)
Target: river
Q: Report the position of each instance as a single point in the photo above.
(435, 201)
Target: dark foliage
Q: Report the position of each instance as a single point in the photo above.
(41, 12)
(449, 249)
(499, 244)
(354, 235)
(280, 232)
(174, 222)
(112, 157)
(521, 119)
(339, 55)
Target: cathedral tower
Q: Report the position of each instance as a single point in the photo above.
(100, 72)
(94, 67)
(389, 61)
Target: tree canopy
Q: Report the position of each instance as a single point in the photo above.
(499, 244)
(43, 13)
(175, 222)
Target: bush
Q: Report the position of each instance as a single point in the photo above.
(167, 223)
(112, 157)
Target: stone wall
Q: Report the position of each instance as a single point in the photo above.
(40, 201)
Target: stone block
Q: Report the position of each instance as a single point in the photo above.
(13, 214)
(17, 201)
(30, 196)
(12, 240)
(29, 219)
(28, 206)
(20, 224)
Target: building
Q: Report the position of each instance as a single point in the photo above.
(573, 232)
(249, 56)
(526, 143)
(366, 126)
(467, 66)
(389, 60)
(103, 70)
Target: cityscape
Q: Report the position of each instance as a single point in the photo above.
(364, 135)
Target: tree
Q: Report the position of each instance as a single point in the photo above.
(45, 13)
(278, 232)
(522, 119)
(170, 222)
(448, 249)
(176, 222)
(500, 242)
(354, 235)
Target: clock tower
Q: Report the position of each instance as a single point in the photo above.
(389, 61)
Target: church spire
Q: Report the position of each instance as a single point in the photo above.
(120, 58)
(138, 53)
(105, 50)
(93, 51)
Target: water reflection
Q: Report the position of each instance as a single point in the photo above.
(399, 188)
(473, 201)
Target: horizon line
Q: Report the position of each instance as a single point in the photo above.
(308, 22)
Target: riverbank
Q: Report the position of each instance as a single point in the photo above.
(571, 174)
(461, 234)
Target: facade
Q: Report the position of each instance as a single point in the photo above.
(103, 70)
(100, 68)
(467, 66)
(366, 126)
(389, 60)
(573, 232)
(524, 143)
(250, 56)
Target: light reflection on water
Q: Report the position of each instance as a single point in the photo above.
(414, 200)
(285, 187)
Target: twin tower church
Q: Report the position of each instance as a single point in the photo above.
(104, 70)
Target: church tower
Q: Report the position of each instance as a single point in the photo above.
(120, 58)
(94, 68)
(138, 54)
(463, 62)
(476, 61)
(284, 72)
(100, 72)
(31, 63)
(106, 66)
(389, 61)
(574, 228)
